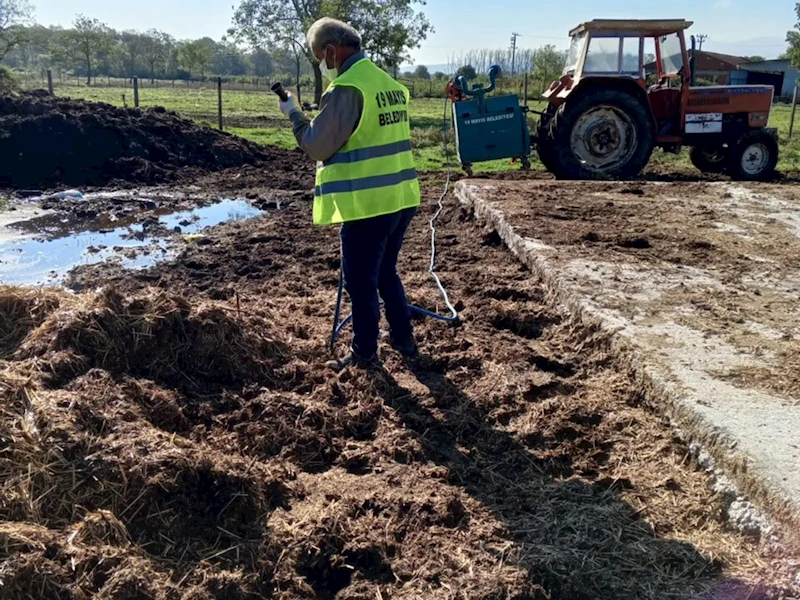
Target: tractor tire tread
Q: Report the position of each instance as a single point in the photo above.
(560, 127)
(734, 161)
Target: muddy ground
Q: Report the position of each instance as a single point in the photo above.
(721, 258)
(180, 438)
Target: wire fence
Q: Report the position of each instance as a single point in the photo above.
(419, 88)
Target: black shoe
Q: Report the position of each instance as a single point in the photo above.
(351, 359)
(408, 348)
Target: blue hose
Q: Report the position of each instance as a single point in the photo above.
(339, 327)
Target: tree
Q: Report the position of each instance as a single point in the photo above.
(389, 28)
(754, 59)
(132, 45)
(548, 63)
(155, 51)
(421, 72)
(197, 55)
(294, 52)
(793, 38)
(85, 42)
(468, 72)
(262, 63)
(228, 59)
(14, 15)
(34, 52)
(439, 76)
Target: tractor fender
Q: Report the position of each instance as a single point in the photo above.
(594, 84)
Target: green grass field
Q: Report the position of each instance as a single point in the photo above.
(241, 108)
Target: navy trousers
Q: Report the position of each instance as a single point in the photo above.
(370, 248)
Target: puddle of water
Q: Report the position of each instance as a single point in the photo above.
(58, 248)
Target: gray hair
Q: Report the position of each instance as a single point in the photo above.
(330, 32)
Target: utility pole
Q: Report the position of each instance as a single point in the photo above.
(513, 51)
(700, 37)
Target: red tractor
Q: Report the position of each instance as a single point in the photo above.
(603, 120)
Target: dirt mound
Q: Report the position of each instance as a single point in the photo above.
(153, 335)
(45, 142)
(23, 309)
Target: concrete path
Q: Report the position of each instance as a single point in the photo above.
(713, 341)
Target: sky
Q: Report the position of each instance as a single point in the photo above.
(732, 26)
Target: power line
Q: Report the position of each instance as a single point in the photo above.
(700, 37)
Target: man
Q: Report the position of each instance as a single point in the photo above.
(366, 181)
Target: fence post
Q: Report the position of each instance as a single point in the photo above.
(50, 81)
(794, 107)
(526, 90)
(136, 92)
(219, 100)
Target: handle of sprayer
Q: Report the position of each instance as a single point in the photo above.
(494, 73)
(278, 89)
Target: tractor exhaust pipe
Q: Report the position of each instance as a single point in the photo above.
(692, 64)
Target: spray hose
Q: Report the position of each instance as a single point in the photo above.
(339, 327)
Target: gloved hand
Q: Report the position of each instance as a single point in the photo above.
(290, 105)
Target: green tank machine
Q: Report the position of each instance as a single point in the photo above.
(488, 128)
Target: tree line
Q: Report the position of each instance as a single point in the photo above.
(541, 64)
(545, 63)
(267, 38)
(90, 49)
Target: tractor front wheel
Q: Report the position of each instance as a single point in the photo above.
(753, 157)
(709, 160)
(605, 134)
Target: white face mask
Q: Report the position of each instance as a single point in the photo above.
(329, 74)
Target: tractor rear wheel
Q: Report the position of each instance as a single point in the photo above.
(606, 134)
(544, 142)
(710, 159)
(753, 157)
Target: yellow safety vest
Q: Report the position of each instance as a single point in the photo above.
(373, 174)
